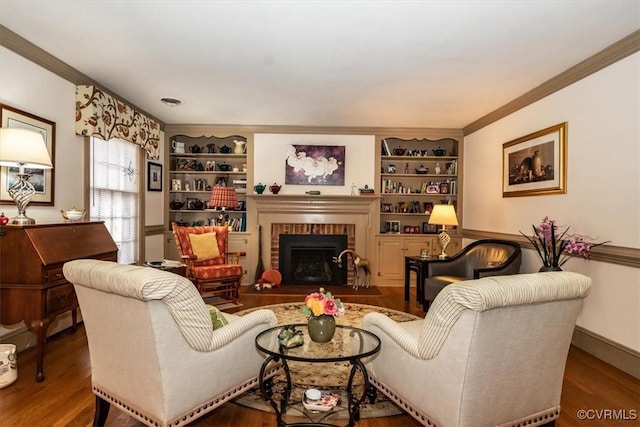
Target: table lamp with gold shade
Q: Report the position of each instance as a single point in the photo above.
(24, 149)
(224, 198)
(443, 215)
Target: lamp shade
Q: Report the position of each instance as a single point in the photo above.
(21, 147)
(443, 215)
(223, 197)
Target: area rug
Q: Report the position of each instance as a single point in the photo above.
(337, 290)
(324, 376)
(221, 303)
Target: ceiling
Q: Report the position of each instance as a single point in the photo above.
(321, 63)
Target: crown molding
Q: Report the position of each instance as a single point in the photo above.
(39, 56)
(609, 55)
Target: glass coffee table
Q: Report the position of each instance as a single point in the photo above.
(349, 344)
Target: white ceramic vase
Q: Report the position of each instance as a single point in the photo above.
(8, 365)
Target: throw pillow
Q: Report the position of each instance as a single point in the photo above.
(217, 318)
(204, 246)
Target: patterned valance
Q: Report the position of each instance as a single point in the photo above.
(100, 114)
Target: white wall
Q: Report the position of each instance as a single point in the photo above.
(270, 154)
(603, 187)
(33, 89)
(154, 211)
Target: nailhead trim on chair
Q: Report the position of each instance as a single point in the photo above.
(421, 417)
(203, 409)
(538, 419)
(541, 418)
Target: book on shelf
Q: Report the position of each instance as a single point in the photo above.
(385, 148)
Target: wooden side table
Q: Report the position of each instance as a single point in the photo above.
(419, 265)
(180, 270)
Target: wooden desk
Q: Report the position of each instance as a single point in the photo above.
(32, 286)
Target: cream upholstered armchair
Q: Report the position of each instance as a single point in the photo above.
(154, 352)
(490, 352)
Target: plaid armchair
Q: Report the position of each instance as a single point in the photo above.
(214, 270)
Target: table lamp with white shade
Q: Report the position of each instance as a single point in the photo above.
(23, 149)
(443, 215)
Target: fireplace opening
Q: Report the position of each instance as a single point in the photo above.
(305, 259)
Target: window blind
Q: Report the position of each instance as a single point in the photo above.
(114, 193)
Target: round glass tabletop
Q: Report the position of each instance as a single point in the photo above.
(348, 343)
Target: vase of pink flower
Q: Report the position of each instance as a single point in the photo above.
(555, 245)
(322, 308)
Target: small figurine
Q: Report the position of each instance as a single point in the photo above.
(437, 169)
(289, 337)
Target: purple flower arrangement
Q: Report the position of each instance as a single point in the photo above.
(555, 245)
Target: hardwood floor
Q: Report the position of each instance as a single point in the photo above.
(65, 397)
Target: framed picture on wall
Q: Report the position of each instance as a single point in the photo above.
(314, 165)
(42, 179)
(154, 176)
(535, 164)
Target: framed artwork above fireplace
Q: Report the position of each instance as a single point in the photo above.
(315, 165)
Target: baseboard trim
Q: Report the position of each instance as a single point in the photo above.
(619, 356)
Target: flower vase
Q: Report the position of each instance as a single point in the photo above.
(546, 268)
(321, 328)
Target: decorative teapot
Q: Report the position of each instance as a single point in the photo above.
(195, 149)
(240, 146)
(275, 188)
(73, 214)
(224, 166)
(259, 188)
(3, 219)
(439, 151)
(225, 149)
(176, 205)
(399, 151)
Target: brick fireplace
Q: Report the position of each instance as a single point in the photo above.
(352, 216)
(311, 231)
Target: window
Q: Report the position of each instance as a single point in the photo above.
(114, 195)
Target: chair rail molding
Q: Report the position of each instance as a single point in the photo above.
(620, 255)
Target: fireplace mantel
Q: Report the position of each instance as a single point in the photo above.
(266, 210)
(305, 203)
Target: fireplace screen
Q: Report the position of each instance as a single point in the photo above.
(305, 259)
